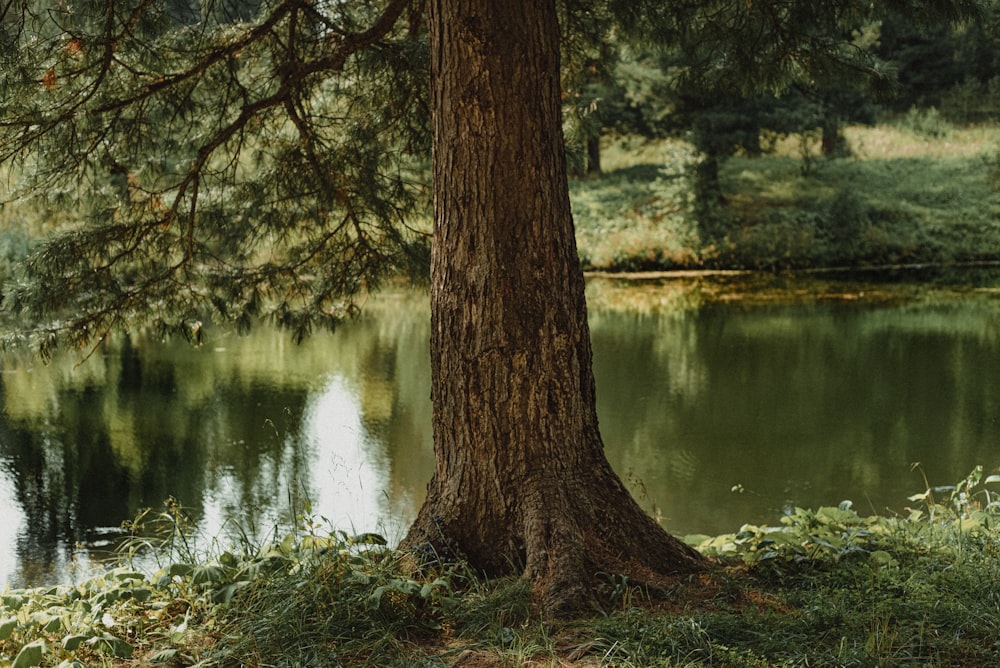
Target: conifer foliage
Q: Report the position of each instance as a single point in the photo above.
(269, 158)
(251, 159)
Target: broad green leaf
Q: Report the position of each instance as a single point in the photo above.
(359, 577)
(72, 642)
(111, 644)
(41, 618)
(30, 655)
(207, 573)
(784, 538)
(7, 627)
(375, 599)
(828, 514)
(181, 570)
(122, 649)
(180, 628)
(140, 594)
(107, 597)
(696, 539)
(13, 602)
(163, 656)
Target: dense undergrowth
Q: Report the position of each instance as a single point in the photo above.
(824, 587)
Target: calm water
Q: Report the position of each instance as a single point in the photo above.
(716, 412)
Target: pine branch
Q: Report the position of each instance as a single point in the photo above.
(265, 80)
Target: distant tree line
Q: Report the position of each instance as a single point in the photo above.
(625, 87)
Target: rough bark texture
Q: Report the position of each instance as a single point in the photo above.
(521, 481)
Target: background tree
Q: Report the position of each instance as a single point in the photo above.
(270, 166)
(946, 67)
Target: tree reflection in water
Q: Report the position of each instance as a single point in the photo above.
(797, 404)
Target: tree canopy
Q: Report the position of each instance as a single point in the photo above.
(263, 165)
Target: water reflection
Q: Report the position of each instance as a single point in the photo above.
(796, 404)
(246, 434)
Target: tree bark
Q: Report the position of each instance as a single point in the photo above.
(594, 155)
(521, 482)
(833, 142)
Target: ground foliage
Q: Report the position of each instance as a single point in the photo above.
(823, 587)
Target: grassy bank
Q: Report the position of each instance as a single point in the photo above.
(918, 191)
(820, 588)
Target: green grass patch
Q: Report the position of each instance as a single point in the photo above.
(821, 587)
(919, 191)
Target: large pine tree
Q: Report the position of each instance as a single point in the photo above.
(521, 478)
(265, 161)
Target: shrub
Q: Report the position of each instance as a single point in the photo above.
(928, 123)
(847, 216)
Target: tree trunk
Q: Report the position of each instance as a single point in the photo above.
(707, 186)
(594, 155)
(521, 481)
(833, 142)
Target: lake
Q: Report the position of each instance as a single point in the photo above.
(722, 400)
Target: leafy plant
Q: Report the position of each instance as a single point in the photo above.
(830, 534)
(823, 587)
(968, 505)
(927, 122)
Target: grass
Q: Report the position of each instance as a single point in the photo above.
(917, 191)
(824, 587)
